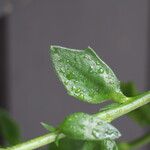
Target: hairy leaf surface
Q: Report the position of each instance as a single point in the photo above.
(82, 126)
(85, 75)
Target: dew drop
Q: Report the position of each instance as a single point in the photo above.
(97, 63)
(87, 57)
(101, 70)
(92, 66)
(95, 133)
(82, 126)
(111, 82)
(66, 82)
(108, 132)
(81, 96)
(78, 90)
(100, 123)
(62, 70)
(69, 76)
(73, 88)
(75, 81)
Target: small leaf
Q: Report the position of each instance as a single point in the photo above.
(57, 140)
(9, 129)
(48, 127)
(67, 144)
(70, 144)
(141, 115)
(85, 75)
(82, 126)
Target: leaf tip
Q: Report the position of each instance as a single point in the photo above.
(89, 47)
(48, 127)
(42, 123)
(53, 47)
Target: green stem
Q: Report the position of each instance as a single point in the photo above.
(140, 141)
(122, 109)
(37, 142)
(108, 115)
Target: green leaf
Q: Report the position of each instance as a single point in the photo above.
(82, 126)
(48, 127)
(124, 146)
(67, 144)
(8, 128)
(70, 144)
(90, 145)
(129, 89)
(141, 115)
(85, 75)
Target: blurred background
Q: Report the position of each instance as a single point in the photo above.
(118, 30)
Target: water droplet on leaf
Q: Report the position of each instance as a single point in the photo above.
(69, 76)
(77, 90)
(101, 70)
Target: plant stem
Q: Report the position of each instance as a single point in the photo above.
(107, 115)
(122, 109)
(37, 142)
(140, 141)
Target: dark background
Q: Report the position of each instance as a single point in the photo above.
(118, 30)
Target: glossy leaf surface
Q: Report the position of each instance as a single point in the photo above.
(142, 114)
(70, 144)
(85, 75)
(82, 126)
(8, 129)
